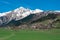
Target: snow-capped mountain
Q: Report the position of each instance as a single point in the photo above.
(17, 14)
(22, 13)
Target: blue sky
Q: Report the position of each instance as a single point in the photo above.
(7, 5)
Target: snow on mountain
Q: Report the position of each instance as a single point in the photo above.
(4, 13)
(57, 11)
(37, 11)
(22, 10)
(21, 13)
(17, 14)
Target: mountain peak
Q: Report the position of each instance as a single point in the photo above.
(21, 13)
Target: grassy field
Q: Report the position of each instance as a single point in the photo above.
(53, 34)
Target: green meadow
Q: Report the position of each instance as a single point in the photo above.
(53, 34)
(27, 34)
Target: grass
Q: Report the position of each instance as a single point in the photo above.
(53, 34)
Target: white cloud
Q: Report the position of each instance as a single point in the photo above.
(5, 2)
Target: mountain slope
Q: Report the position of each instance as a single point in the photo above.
(23, 15)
